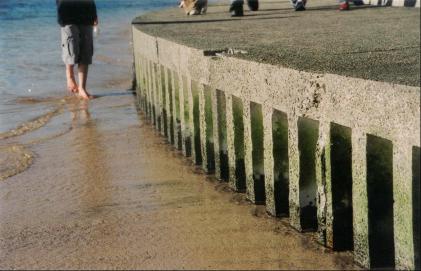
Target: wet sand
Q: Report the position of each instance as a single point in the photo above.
(104, 191)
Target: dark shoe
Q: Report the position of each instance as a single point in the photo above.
(236, 10)
(299, 6)
(253, 5)
(344, 6)
(358, 2)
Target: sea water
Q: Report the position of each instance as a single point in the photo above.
(30, 54)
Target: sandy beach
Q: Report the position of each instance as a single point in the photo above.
(89, 185)
(104, 191)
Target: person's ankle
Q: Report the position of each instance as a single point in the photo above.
(300, 6)
(253, 5)
(344, 6)
(236, 9)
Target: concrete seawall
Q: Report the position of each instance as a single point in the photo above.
(338, 155)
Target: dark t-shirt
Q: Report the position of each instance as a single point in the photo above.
(76, 12)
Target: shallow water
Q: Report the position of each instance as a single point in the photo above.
(105, 191)
(30, 64)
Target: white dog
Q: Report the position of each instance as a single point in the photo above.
(194, 7)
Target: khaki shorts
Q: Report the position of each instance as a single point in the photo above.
(77, 44)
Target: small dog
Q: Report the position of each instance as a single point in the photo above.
(194, 7)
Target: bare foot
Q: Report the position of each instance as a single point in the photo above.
(82, 93)
(72, 86)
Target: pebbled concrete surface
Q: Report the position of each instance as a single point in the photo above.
(376, 43)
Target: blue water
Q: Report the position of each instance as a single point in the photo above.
(30, 61)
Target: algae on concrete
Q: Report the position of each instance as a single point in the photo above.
(164, 101)
(281, 164)
(257, 134)
(196, 124)
(171, 116)
(222, 135)
(308, 133)
(210, 150)
(157, 93)
(187, 131)
(341, 186)
(380, 202)
(177, 112)
(240, 174)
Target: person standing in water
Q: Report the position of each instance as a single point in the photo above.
(77, 19)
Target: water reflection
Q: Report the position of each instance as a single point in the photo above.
(94, 176)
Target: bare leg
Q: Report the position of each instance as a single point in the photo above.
(71, 81)
(83, 76)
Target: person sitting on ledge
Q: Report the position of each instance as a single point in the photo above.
(77, 18)
(236, 8)
(344, 4)
(194, 7)
(299, 5)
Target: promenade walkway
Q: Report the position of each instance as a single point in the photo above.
(369, 42)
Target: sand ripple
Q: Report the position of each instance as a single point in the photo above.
(14, 160)
(33, 124)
